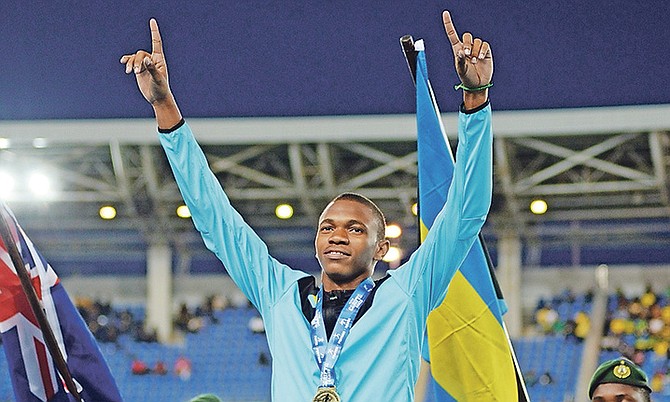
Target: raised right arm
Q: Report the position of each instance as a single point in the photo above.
(456, 227)
(243, 253)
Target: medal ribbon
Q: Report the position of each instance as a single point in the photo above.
(327, 355)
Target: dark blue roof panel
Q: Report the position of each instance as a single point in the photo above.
(256, 58)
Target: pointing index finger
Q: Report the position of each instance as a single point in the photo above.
(156, 42)
(450, 29)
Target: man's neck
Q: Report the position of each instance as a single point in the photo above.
(329, 285)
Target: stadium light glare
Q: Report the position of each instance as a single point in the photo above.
(415, 209)
(183, 212)
(40, 142)
(538, 207)
(284, 211)
(107, 212)
(5, 143)
(393, 254)
(393, 231)
(39, 184)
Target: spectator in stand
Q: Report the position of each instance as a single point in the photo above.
(126, 321)
(105, 331)
(648, 299)
(530, 377)
(546, 317)
(661, 349)
(621, 305)
(545, 379)
(206, 309)
(588, 296)
(635, 309)
(658, 381)
(183, 317)
(568, 296)
(139, 367)
(145, 335)
(160, 368)
(569, 330)
(256, 325)
(183, 368)
(263, 359)
(639, 357)
(582, 325)
(220, 302)
(187, 321)
(656, 323)
(239, 300)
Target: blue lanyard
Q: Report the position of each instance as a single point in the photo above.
(326, 356)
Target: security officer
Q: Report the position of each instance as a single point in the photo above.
(619, 380)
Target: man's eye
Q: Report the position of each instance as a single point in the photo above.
(326, 228)
(357, 230)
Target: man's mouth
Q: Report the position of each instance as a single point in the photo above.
(336, 254)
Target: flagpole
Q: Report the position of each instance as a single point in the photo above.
(47, 333)
(407, 43)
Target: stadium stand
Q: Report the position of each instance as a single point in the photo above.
(232, 361)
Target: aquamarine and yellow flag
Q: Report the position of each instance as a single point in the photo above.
(469, 351)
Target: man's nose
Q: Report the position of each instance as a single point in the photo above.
(339, 236)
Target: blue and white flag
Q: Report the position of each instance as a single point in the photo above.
(32, 370)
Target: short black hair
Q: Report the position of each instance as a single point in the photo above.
(379, 215)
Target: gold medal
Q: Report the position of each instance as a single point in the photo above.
(326, 394)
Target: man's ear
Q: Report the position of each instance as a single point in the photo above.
(382, 249)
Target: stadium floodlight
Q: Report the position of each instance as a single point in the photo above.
(5, 143)
(183, 212)
(538, 207)
(284, 211)
(40, 142)
(39, 184)
(107, 212)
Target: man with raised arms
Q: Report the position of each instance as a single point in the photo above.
(353, 338)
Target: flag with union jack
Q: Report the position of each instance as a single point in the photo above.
(32, 370)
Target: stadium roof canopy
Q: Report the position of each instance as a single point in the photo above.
(296, 103)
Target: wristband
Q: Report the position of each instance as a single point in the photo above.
(463, 87)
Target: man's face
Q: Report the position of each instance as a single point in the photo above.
(346, 244)
(617, 393)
